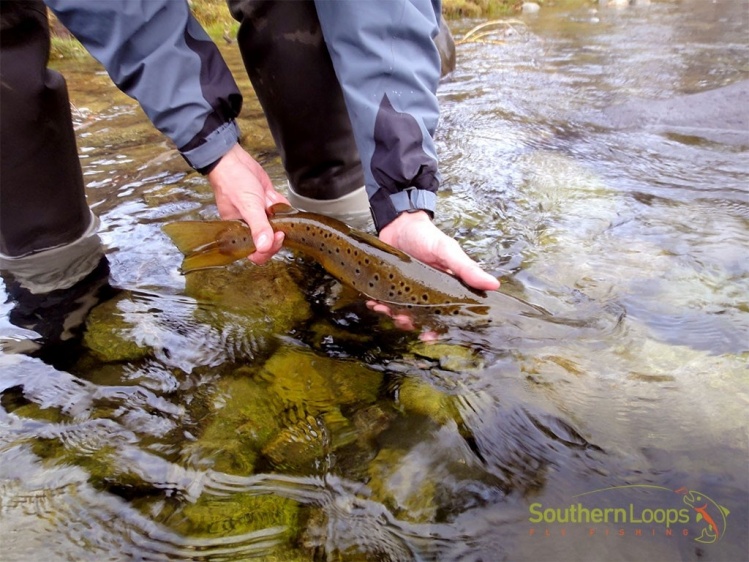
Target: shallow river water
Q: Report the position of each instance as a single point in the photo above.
(596, 159)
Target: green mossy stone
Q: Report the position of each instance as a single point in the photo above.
(266, 297)
(35, 412)
(213, 516)
(419, 397)
(298, 447)
(245, 419)
(397, 481)
(317, 383)
(109, 336)
(456, 358)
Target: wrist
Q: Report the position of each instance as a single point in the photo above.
(404, 222)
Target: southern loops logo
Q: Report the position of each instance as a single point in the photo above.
(651, 511)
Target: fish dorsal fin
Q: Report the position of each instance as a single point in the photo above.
(282, 209)
(375, 242)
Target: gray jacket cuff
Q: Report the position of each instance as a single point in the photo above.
(215, 146)
(387, 206)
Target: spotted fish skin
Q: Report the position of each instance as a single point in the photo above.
(357, 259)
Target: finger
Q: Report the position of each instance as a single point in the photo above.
(456, 261)
(404, 322)
(260, 258)
(251, 206)
(471, 274)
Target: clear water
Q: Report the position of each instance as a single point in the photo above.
(213, 419)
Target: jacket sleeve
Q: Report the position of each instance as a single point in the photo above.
(388, 66)
(157, 53)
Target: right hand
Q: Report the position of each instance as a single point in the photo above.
(244, 191)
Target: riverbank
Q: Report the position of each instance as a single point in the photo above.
(217, 21)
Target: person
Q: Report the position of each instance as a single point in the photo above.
(348, 89)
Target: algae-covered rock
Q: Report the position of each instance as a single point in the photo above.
(314, 388)
(397, 481)
(213, 516)
(267, 297)
(419, 397)
(109, 335)
(34, 411)
(451, 357)
(245, 418)
(318, 383)
(299, 446)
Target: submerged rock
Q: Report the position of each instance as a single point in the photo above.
(245, 418)
(298, 447)
(239, 514)
(109, 335)
(266, 296)
(397, 481)
(316, 383)
(313, 389)
(419, 397)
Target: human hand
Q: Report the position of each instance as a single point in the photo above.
(244, 191)
(418, 236)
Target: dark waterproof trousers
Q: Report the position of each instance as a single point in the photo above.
(290, 69)
(42, 200)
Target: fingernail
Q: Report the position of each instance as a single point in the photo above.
(263, 242)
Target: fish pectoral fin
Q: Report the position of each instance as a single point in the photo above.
(375, 242)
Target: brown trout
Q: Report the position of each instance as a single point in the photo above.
(357, 259)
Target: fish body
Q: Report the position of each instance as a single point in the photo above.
(357, 259)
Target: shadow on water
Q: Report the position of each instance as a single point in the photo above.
(249, 412)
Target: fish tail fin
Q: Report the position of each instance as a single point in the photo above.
(200, 242)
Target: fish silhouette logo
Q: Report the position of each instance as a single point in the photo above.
(714, 515)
